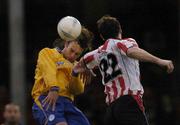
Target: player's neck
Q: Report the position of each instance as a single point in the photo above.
(63, 53)
(120, 36)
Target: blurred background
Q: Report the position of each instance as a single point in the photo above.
(27, 26)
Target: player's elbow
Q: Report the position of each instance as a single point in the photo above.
(77, 89)
(80, 91)
(131, 52)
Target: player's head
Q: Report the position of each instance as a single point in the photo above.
(109, 27)
(73, 49)
(12, 114)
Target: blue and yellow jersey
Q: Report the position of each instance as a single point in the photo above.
(53, 70)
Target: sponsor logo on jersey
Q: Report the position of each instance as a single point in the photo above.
(60, 63)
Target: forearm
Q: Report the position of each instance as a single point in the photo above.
(76, 86)
(142, 55)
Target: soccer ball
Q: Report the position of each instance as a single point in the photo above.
(69, 28)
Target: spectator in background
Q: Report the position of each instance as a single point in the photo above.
(12, 114)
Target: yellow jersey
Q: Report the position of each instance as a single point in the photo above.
(53, 70)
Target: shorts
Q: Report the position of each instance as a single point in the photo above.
(65, 111)
(125, 111)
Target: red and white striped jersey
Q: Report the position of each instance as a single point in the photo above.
(120, 73)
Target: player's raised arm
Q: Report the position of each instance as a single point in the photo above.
(88, 61)
(143, 55)
(84, 73)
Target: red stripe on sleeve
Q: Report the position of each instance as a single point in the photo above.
(88, 59)
(122, 47)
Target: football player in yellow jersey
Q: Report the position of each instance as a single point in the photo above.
(56, 84)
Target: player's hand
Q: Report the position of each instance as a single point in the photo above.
(86, 77)
(80, 67)
(168, 64)
(50, 100)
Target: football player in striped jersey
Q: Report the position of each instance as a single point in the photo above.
(118, 61)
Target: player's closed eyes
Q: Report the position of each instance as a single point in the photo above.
(73, 51)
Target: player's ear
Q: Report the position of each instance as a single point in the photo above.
(102, 37)
(66, 43)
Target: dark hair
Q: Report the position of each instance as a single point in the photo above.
(58, 43)
(109, 27)
(85, 38)
(11, 104)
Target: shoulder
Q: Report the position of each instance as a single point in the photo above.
(45, 50)
(49, 51)
(129, 40)
(123, 41)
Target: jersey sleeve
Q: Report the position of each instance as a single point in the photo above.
(48, 68)
(91, 59)
(125, 44)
